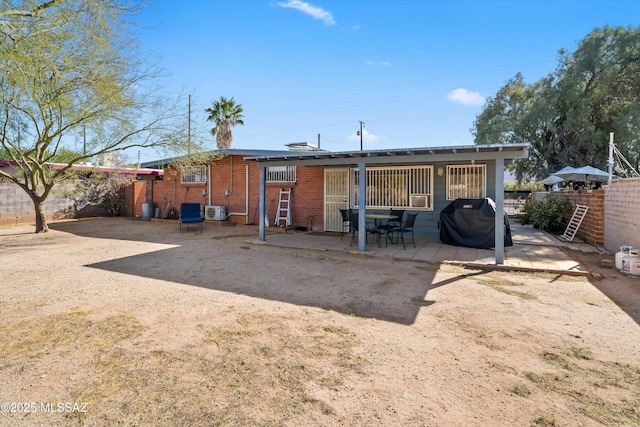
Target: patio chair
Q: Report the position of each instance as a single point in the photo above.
(392, 225)
(190, 214)
(345, 221)
(407, 227)
(370, 229)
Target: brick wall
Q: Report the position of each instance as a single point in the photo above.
(592, 228)
(622, 214)
(230, 174)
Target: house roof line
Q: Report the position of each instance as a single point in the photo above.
(225, 152)
(506, 151)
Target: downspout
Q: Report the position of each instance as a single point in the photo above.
(209, 183)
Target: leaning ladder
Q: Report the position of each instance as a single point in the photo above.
(574, 223)
(284, 208)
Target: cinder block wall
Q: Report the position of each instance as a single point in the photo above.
(622, 214)
(17, 208)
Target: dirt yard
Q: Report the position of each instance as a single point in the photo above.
(123, 322)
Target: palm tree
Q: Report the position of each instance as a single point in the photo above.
(225, 114)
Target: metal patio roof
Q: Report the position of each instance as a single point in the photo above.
(397, 155)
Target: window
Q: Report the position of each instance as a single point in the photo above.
(281, 174)
(396, 187)
(194, 174)
(466, 181)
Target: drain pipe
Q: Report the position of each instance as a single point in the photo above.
(209, 184)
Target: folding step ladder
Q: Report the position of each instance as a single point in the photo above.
(284, 208)
(574, 223)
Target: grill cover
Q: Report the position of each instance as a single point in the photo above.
(471, 223)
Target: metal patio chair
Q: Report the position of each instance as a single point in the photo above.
(407, 227)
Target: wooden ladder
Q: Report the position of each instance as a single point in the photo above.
(574, 223)
(284, 208)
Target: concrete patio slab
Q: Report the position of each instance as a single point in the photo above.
(532, 250)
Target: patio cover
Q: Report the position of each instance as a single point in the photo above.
(501, 153)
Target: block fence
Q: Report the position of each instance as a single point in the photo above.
(622, 214)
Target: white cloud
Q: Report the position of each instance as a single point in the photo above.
(376, 64)
(309, 9)
(465, 97)
(367, 137)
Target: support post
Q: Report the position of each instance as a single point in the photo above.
(362, 207)
(262, 234)
(499, 224)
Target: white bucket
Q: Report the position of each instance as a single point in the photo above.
(624, 251)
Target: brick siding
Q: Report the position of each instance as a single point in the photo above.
(230, 174)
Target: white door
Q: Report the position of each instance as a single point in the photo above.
(336, 197)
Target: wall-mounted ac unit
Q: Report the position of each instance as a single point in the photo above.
(215, 213)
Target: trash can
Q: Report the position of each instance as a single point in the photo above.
(147, 210)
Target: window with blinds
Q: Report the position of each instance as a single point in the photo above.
(466, 181)
(396, 187)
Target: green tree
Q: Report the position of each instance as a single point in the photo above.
(68, 67)
(225, 113)
(567, 116)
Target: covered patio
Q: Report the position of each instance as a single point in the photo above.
(497, 155)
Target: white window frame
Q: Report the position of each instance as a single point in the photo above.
(396, 187)
(467, 181)
(194, 174)
(281, 174)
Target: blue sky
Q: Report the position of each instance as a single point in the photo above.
(416, 72)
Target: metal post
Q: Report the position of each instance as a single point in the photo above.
(610, 157)
(362, 207)
(262, 234)
(499, 223)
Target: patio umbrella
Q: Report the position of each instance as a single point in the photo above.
(551, 180)
(585, 173)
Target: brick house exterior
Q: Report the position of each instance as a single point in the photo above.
(233, 183)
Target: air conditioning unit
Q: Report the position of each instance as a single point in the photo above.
(215, 213)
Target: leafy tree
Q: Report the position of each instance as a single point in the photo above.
(568, 115)
(68, 67)
(225, 113)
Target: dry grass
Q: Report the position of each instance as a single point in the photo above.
(500, 284)
(64, 332)
(256, 371)
(578, 380)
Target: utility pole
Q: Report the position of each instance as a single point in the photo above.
(189, 128)
(360, 133)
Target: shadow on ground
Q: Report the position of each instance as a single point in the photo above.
(363, 286)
